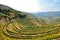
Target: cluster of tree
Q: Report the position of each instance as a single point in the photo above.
(21, 16)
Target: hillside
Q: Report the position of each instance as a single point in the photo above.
(18, 25)
(14, 22)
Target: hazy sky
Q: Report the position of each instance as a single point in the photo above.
(33, 5)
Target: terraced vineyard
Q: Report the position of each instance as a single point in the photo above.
(15, 31)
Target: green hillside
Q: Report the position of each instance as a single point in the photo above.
(17, 25)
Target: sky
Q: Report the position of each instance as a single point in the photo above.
(33, 5)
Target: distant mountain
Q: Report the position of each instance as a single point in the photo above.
(48, 14)
(53, 17)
